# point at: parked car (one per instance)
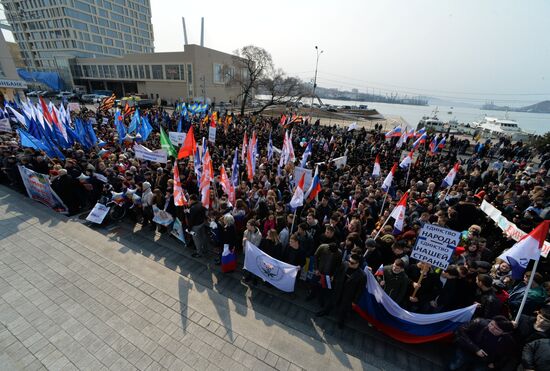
(88, 98)
(66, 94)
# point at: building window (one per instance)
(218, 73)
(112, 71)
(136, 74)
(147, 71)
(120, 70)
(172, 72)
(190, 73)
(158, 73)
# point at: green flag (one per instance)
(166, 145)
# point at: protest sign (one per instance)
(5, 125)
(298, 171)
(177, 231)
(145, 153)
(105, 121)
(212, 134)
(74, 107)
(98, 213)
(276, 272)
(435, 245)
(177, 138)
(38, 188)
(162, 217)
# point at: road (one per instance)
(76, 297)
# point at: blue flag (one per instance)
(145, 128)
(29, 141)
(134, 123)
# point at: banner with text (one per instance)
(98, 213)
(435, 245)
(145, 153)
(510, 229)
(38, 188)
(176, 137)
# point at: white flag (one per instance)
(279, 274)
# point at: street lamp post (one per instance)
(315, 78)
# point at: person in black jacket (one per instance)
(196, 222)
(347, 286)
(536, 355)
(483, 344)
(488, 304)
(449, 297)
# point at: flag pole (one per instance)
(383, 203)
(529, 283)
(408, 172)
(293, 220)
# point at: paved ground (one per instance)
(72, 297)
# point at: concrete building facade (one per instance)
(193, 74)
(10, 83)
(49, 32)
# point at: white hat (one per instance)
(146, 185)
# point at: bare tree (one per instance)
(254, 63)
(280, 88)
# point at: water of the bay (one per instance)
(538, 123)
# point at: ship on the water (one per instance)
(492, 127)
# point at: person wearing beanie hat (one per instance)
(484, 344)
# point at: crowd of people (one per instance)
(333, 235)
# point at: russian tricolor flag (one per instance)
(315, 187)
(450, 178)
(421, 139)
(395, 132)
(229, 260)
(407, 161)
(526, 249)
(389, 178)
(398, 213)
(386, 315)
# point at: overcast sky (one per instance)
(467, 50)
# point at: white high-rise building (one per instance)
(50, 32)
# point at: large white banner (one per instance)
(491, 211)
(435, 245)
(98, 213)
(176, 137)
(279, 274)
(38, 188)
(510, 229)
(145, 153)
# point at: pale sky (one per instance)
(467, 50)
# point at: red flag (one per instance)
(224, 181)
(206, 177)
(45, 111)
(189, 145)
(283, 120)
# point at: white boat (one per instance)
(432, 123)
(492, 127)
